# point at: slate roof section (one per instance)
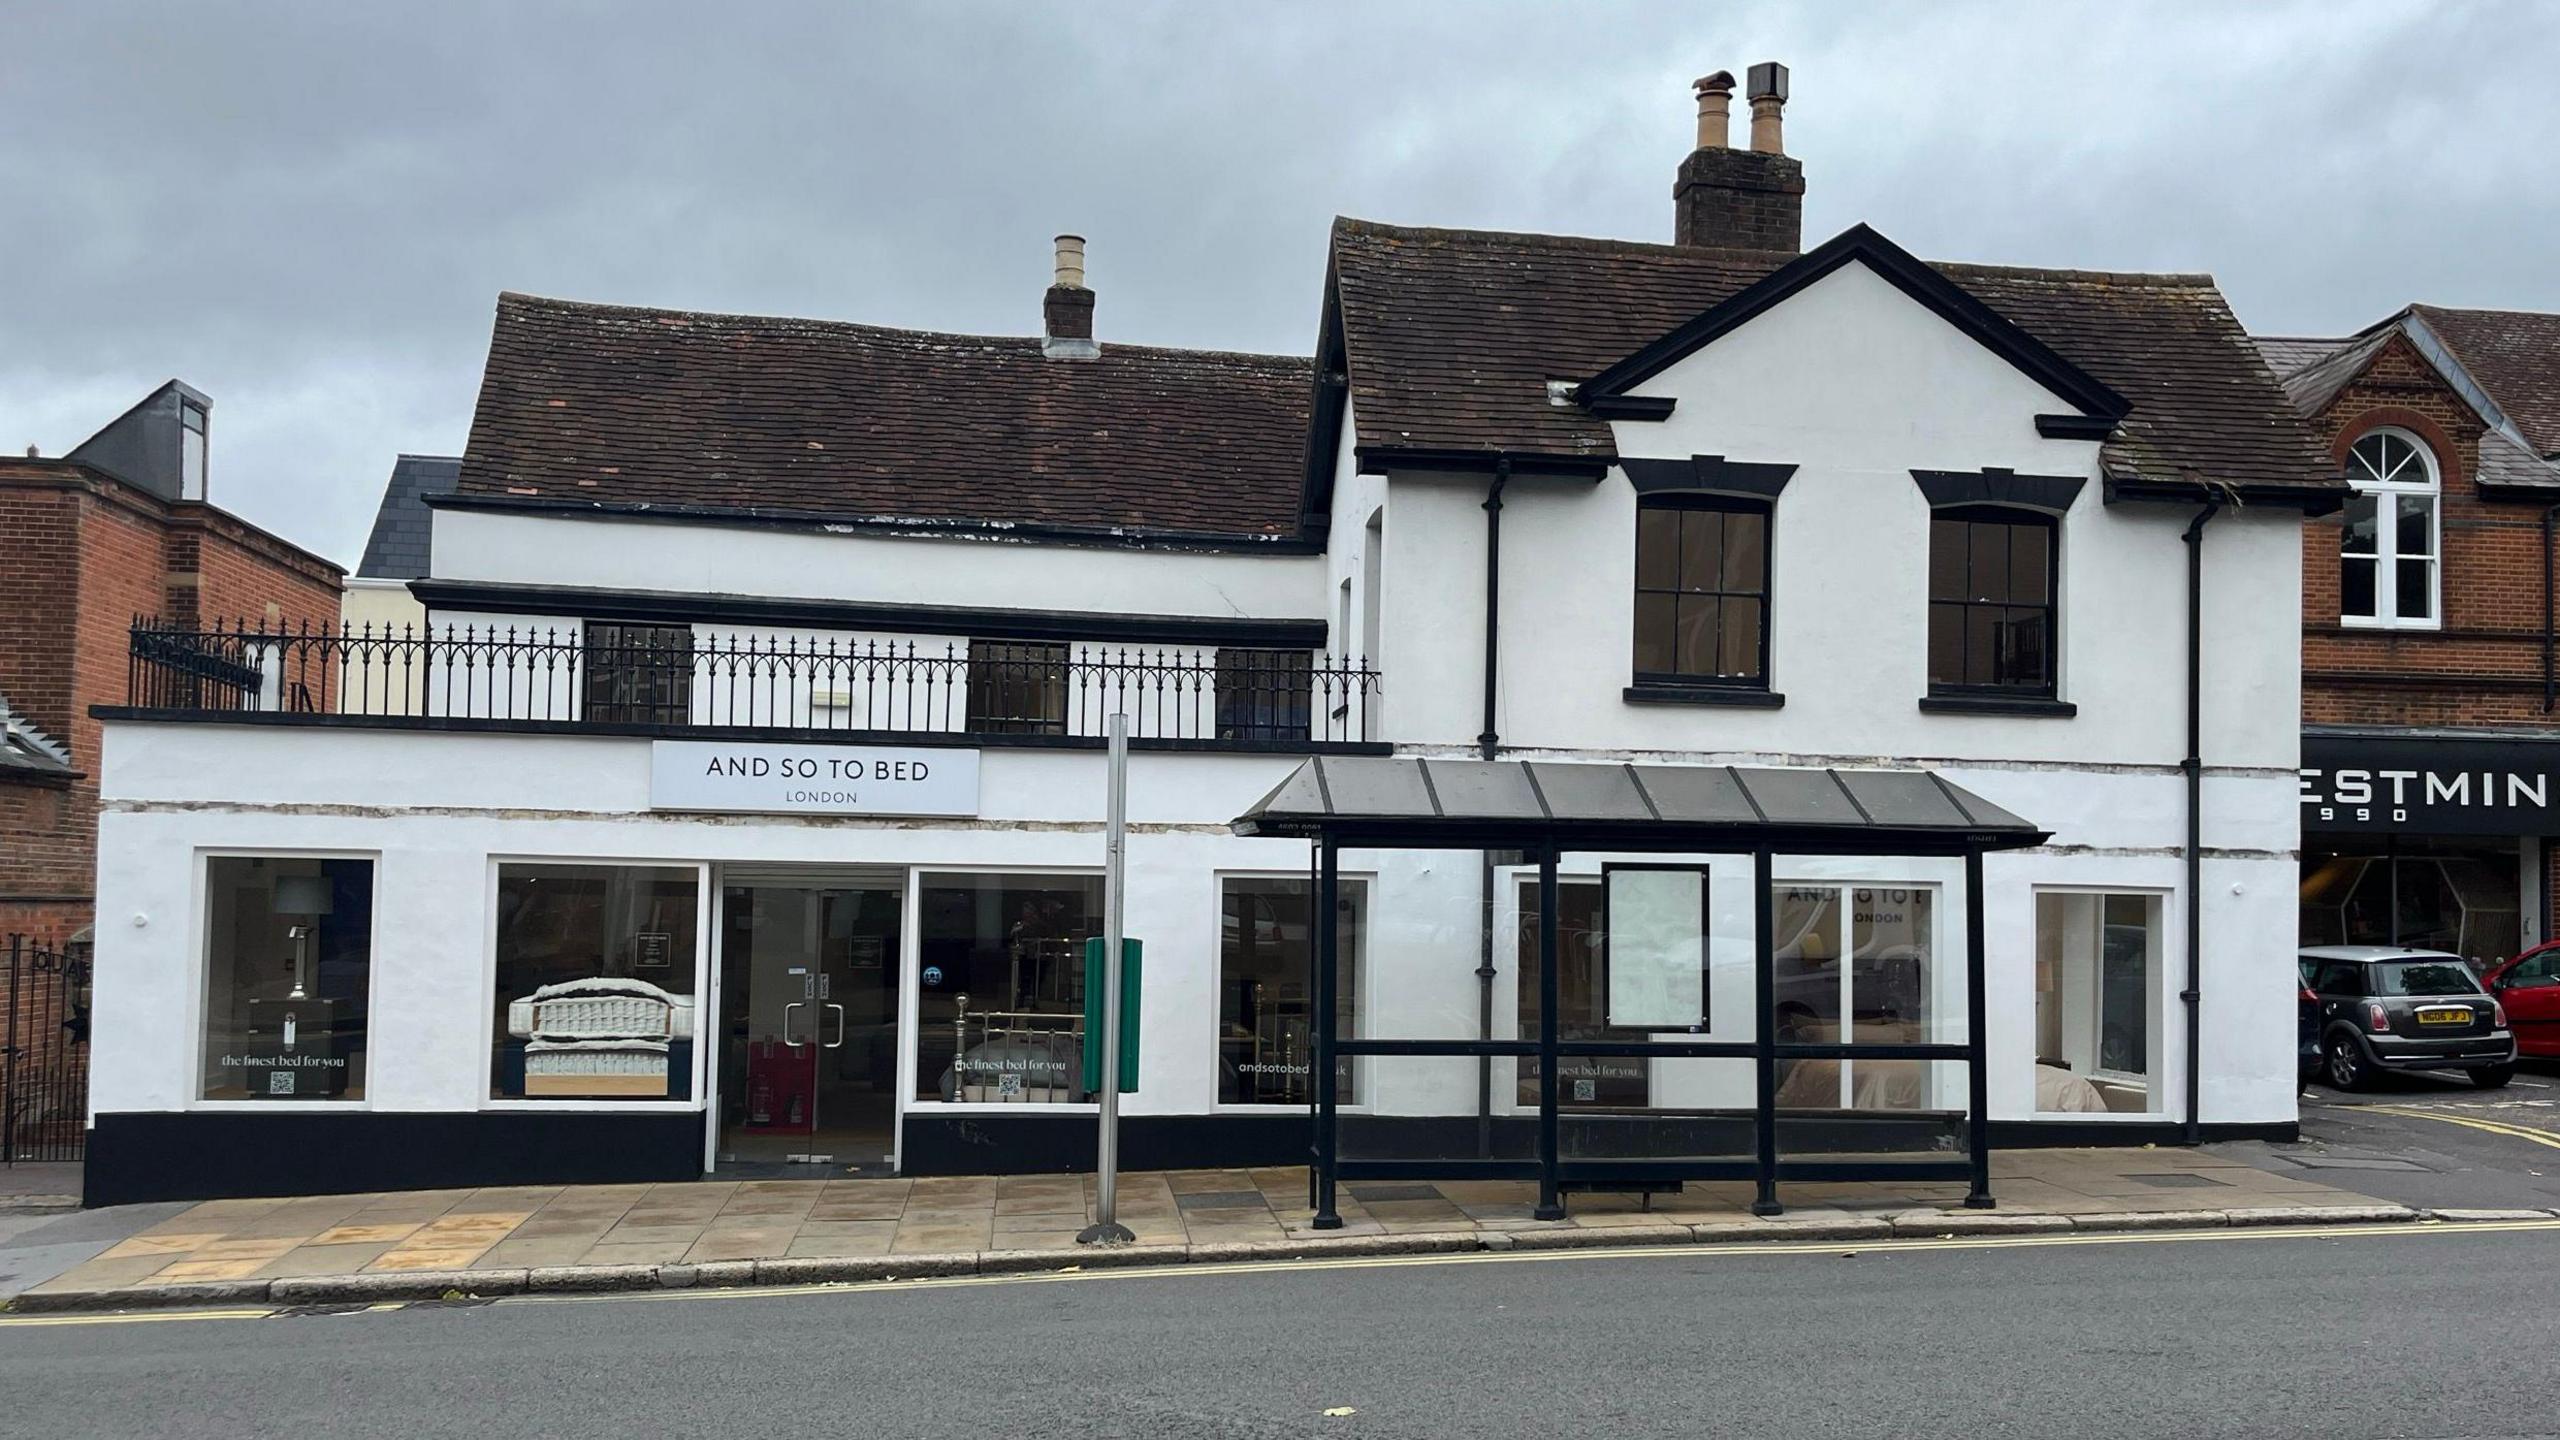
(29, 754)
(1452, 338)
(664, 407)
(2515, 355)
(2315, 384)
(397, 548)
(2285, 354)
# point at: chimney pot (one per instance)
(1740, 199)
(1768, 94)
(1066, 312)
(1715, 110)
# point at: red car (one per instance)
(2529, 986)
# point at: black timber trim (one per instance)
(1378, 459)
(2052, 494)
(683, 607)
(2019, 705)
(1738, 697)
(1711, 474)
(136, 1156)
(899, 527)
(1905, 272)
(2326, 499)
(2075, 427)
(909, 739)
(1631, 407)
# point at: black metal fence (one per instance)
(686, 677)
(44, 1064)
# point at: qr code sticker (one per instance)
(1009, 1086)
(1586, 1090)
(279, 1082)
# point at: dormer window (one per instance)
(2390, 544)
(191, 450)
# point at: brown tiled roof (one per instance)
(1452, 338)
(2515, 355)
(671, 408)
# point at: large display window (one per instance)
(1856, 964)
(288, 967)
(1000, 986)
(2098, 974)
(2458, 895)
(1582, 1005)
(1266, 966)
(597, 969)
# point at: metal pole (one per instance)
(1976, 1017)
(1328, 1115)
(1550, 1000)
(1764, 1055)
(1107, 1228)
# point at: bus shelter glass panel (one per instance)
(1859, 963)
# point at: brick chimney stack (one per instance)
(1741, 199)
(1067, 310)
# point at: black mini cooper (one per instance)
(2382, 1008)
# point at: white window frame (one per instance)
(200, 946)
(2156, 1010)
(1365, 882)
(703, 899)
(2387, 492)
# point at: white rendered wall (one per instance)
(596, 552)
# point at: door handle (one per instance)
(838, 1042)
(786, 1022)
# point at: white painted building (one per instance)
(515, 904)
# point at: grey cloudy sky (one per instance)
(308, 210)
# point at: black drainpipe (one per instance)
(1487, 742)
(2550, 682)
(2193, 766)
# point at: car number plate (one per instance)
(2444, 1015)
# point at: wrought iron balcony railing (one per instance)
(681, 677)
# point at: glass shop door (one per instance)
(809, 1023)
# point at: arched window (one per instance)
(2390, 548)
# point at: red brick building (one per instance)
(2431, 705)
(118, 528)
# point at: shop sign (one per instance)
(768, 779)
(2430, 785)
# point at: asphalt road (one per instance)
(2431, 1140)
(2437, 1332)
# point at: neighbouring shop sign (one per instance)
(715, 775)
(2430, 785)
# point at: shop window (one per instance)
(1266, 988)
(1000, 983)
(639, 674)
(1991, 602)
(2097, 1003)
(1702, 591)
(1582, 1005)
(2389, 539)
(289, 966)
(1265, 694)
(1873, 989)
(597, 975)
(1017, 687)
(2459, 896)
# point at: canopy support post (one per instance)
(1764, 1061)
(1328, 1151)
(1550, 991)
(1977, 1075)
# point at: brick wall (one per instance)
(2484, 667)
(87, 554)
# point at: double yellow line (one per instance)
(2494, 1127)
(1689, 1253)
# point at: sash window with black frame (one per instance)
(1017, 687)
(1702, 591)
(1991, 602)
(639, 674)
(1265, 694)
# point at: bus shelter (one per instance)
(1542, 811)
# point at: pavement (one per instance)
(340, 1248)
(2431, 1140)
(2339, 1333)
